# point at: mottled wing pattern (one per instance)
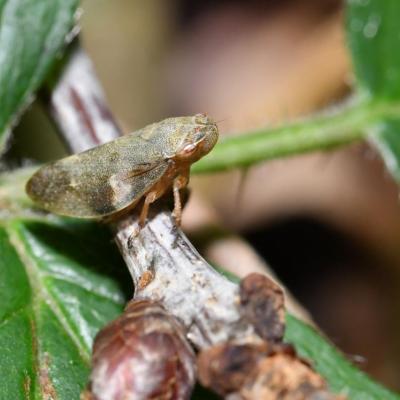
(100, 181)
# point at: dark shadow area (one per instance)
(189, 10)
(34, 139)
(88, 244)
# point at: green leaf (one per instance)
(58, 293)
(58, 286)
(373, 33)
(32, 34)
(342, 376)
(374, 39)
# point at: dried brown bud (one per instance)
(224, 368)
(257, 372)
(141, 355)
(285, 377)
(262, 303)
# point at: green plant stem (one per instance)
(319, 133)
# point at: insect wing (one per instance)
(100, 181)
(130, 186)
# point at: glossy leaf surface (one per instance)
(373, 33)
(373, 37)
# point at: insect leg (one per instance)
(179, 183)
(177, 205)
(150, 198)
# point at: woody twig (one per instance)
(164, 266)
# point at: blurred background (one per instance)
(328, 224)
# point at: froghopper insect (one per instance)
(109, 180)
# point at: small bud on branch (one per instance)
(142, 355)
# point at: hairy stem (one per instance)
(338, 127)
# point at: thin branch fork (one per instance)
(164, 266)
(220, 318)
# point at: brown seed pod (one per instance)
(263, 305)
(141, 355)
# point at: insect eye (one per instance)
(189, 149)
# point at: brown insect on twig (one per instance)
(107, 181)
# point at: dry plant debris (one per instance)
(268, 369)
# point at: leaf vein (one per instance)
(39, 290)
